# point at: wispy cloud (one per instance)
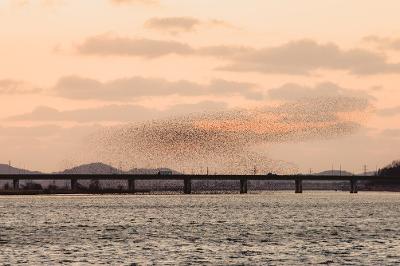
(301, 57)
(306, 56)
(294, 92)
(383, 42)
(175, 25)
(392, 111)
(31, 132)
(10, 86)
(46, 3)
(75, 87)
(115, 113)
(391, 133)
(144, 2)
(107, 45)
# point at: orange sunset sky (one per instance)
(71, 67)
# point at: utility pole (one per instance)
(365, 169)
(9, 167)
(340, 171)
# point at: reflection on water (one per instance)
(267, 228)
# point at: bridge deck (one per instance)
(187, 179)
(192, 177)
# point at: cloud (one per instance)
(45, 3)
(74, 87)
(293, 92)
(383, 42)
(144, 2)
(391, 133)
(107, 44)
(31, 132)
(174, 25)
(330, 96)
(305, 56)
(20, 2)
(57, 2)
(10, 86)
(115, 113)
(301, 57)
(110, 45)
(222, 23)
(393, 111)
(223, 51)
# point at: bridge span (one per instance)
(187, 179)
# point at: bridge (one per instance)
(187, 179)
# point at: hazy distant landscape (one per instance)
(209, 185)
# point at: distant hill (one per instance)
(344, 173)
(334, 172)
(93, 168)
(6, 169)
(392, 169)
(101, 168)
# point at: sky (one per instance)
(69, 68)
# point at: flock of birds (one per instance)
(229, 141)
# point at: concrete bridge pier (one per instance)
(353, 186)
(299, 185)
(74, 184)
(131, 185)
(16, 184)
(243, 186)
(187, 186)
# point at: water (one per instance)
(268, 228)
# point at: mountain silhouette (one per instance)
(92, 168)
(7, 169)
(334, 173)
(392, 169)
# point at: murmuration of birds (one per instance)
(228, 142)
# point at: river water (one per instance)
(269, 228)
